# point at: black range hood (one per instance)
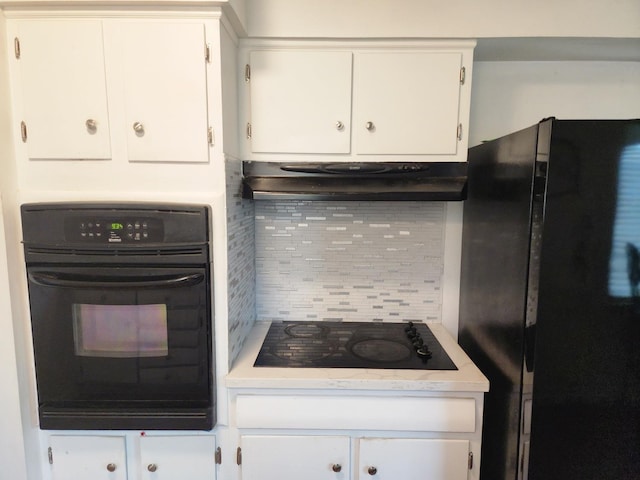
(417, 181)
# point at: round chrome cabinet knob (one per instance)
(111, 467)
(152, 467)
(138, 128)
(372, 470)
(337, 468)
(92, 125)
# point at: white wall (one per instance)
(12, 453)
(439, 19)
(509, 96)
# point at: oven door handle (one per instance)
(170, 281)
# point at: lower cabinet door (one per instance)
(177, 457)
(412, 459)
(87, 457)
(276, 457)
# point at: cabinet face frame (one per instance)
(358, 151)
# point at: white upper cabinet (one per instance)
(64, 94)
(165, 90)
(362, 101)
(300, 101)
(89, 88)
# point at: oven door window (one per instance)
(120, 331)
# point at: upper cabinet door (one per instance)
(407, 103)
(62, 78)
(300, 101)
(165, 90)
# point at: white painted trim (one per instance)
(451, 274)
(432, 414)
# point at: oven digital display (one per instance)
(114, 230)
(120, 331)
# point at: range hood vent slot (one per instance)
(390, 181)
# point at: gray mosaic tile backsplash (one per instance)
(351, 261)
(241, 261)
(331, 261)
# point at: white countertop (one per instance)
(467, 378)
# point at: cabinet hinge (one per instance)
(50, 455)
(210, 137)
(23, 131)
(470, 461)
(218, 456)
(247, 73)
(463, 75)
(16, 47)
(249, 131)
(459, 132)
(207, 53)
(239, 456)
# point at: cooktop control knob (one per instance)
(424, 352)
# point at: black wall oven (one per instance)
(120, 300)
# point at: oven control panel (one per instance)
(114, 230)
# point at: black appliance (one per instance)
(438, 181)
(352, 345)
(549, 301)
(120, 300)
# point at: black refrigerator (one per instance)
(549, 300)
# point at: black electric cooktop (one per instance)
(352, 345)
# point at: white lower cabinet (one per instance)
(83, 457)
(412, 459)
(288, 457)
(283, 457)
(177, 458)
(169, 457)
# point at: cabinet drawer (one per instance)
(432, 414)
